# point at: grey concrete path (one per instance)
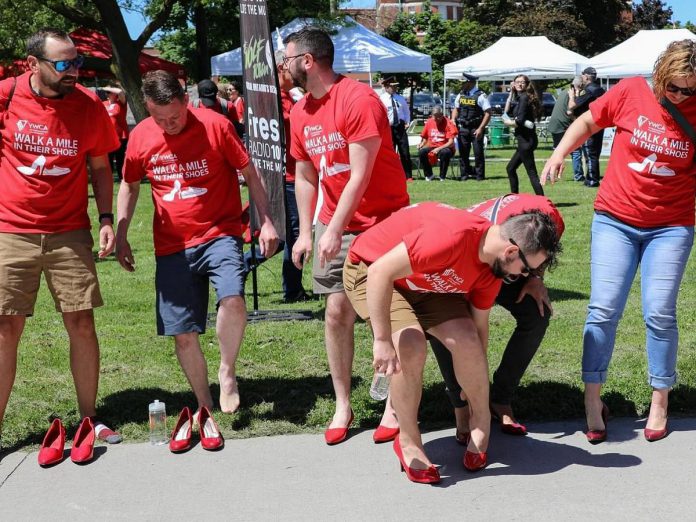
(552, 474)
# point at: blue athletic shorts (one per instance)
(181, 283)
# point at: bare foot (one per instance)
(657, 419)
(341, 418)
(504, 413)
(389, 416)
(229, 393)
(414, 455)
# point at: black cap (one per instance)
(389, 80)
(469, 77)
(207, 92)
(590, 71)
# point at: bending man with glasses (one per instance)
(409, 280)
(53, 128)
(527, 299)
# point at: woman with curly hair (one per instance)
(644, 217)
(526, 108)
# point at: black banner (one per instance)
(264, 122)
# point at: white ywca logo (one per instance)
(642, 120)
(34, 128)
(187, 193)
(38, 166)
(21, 124)
(312, 130)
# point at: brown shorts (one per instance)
(66, 261)
(407, 308)
(329, 280)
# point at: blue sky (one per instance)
(682, 10)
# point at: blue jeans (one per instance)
(617, 249)
(576, 157)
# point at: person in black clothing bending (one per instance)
(581, 104)
(524, 104)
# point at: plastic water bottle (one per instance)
(380, 387)
(158, 423)
(529, 124)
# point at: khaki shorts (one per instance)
(329, 280)
(407, 308)
(65, 259)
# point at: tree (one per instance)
(652, 14)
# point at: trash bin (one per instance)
(499, 134)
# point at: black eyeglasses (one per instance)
(288, 59)
(526, 269)
(63, 65)
(684, 91)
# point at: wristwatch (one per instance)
(108, 215)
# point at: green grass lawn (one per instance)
(283, 373)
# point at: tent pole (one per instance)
(431, 81)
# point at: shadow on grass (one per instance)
(559, 294)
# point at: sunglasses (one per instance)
(63, 65)
(684, 91)
(526, 269)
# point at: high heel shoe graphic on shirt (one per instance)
(187, 193)
(39, 166)
(649, 164)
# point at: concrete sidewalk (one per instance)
(552, 474)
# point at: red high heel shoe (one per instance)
(653, 435)
(514, 428)
(475, 461)
(597, 436)
(337, 435)
(181, 436)
(384, 434)
(422, 476)
(51, 451)
(211, 438)
(83, 445)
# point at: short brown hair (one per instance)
(36, 43)
(677, 61)
(162, 87)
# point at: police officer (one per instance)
(471, 113)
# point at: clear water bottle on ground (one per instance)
(158, 423)
(380, 387)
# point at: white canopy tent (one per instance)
(356, 49)
(636, 56)
(536, 56)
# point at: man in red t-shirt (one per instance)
(437, 141)
(527, 299)
(341, 140)
(115, 104)
(52, 129)
(191, 158)
(408, 279)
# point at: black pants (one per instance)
(593, 146)
(444, 156)
(526, 144)
(520, 349)
(400, 140)
(465, 140)
(116, 159)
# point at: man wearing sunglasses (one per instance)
(52, 129)
(593, 146)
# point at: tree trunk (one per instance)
(200, 22)
(124, 63)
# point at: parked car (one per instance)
(498, 99)
(423, 103)
(548, 100)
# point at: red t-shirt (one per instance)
(117, 112)
(238, 104)
(193, 176)
(43, 157)
(436, 134)
(287, 104)
(323, 128)
(497, 210)
(441, 262)
(649, 181)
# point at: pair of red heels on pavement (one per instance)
(53, 445)
(211, 438)
(597, 436)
